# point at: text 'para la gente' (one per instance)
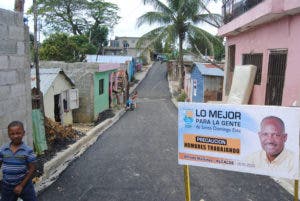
(218, 117)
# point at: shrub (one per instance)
(182, 96)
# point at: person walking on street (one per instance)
(134, 98)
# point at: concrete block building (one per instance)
(15, 89)
(92, 84)
(264, 33)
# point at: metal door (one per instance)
(276, 77)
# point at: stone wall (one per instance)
(15, 89)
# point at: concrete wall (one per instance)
(130, 40)
(131, 50)
(85, 112)
(281, 34)
(15, 89)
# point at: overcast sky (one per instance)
(130, 10)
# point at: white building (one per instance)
(59, 94)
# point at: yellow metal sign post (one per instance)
(296, 189)
(187, 183)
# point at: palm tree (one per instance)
(178, 20)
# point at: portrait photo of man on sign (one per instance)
(274, 155)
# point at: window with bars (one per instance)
(256, 60)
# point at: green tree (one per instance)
(201, 46)
(81, 47)
(87, 20)
(31, 46)
(158, 47)
(76, 16)
(98, 37)
(178, 20)
(61, 47)
(56, 47)
(168, 48)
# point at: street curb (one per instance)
(54, 167)
(173, 99)
(138, 83)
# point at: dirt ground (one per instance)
(60, 137)
(56, 145)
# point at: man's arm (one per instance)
(31, 168)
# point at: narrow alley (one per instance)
(136, 159)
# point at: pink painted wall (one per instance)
(282, 34)
(267, 10)
(291, 5)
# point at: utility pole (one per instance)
(19, 6)
(36, 58)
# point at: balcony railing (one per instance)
(234, 8)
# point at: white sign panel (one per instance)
(244, 138)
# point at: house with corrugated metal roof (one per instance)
(59, 94)
(128, 62)
(93, 81)
(204, 83)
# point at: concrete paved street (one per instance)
(136, 160)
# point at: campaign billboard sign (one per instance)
(245, 138)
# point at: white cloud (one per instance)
(130, 10)
(9, 4)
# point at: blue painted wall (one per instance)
(132, 69)
(196, 75)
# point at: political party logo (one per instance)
(188, 118)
